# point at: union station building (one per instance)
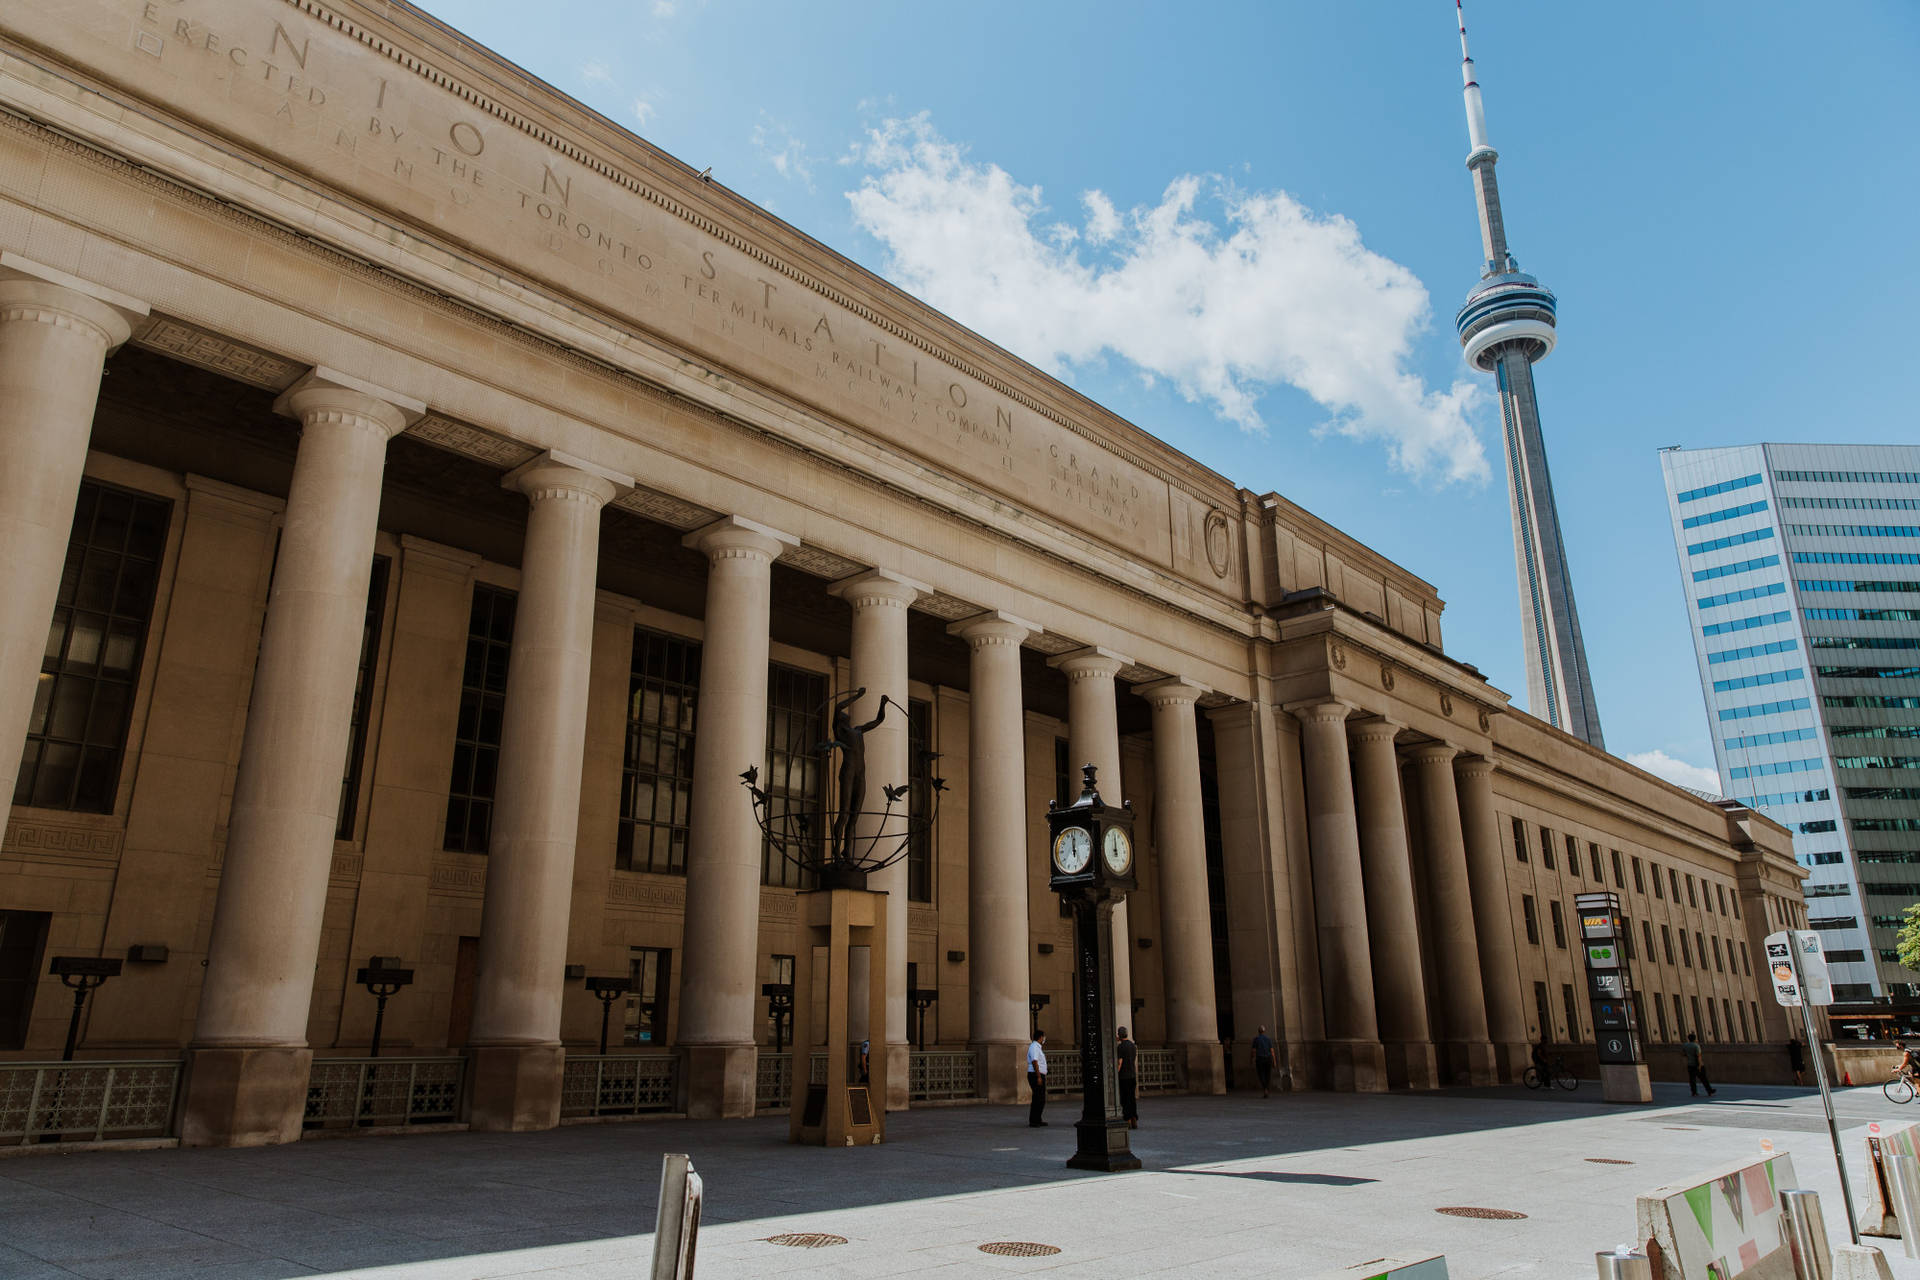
(423, 500)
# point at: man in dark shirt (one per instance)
(1696, 1069)
(1263, 1060)
(1124, 1051)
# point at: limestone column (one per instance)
(247, 1067)
(1463, 1001)
(879, 601)
(997, 933)
(1492, 914)
(55, 332)
(1186, 916)
(720, 952)
(1093, 737)
(1393, 928)
(1355, 1056)
(515, 1042)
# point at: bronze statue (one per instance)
(851, 739)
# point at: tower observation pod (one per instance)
(1506, 326)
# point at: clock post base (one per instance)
(1102, 1147)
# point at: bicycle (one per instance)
(1899, 1088)
(1556, 1074)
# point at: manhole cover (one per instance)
(1468, 1211)
(1681, 1128)
(1019, 1249)
(1606, 1160)
(806, 1240)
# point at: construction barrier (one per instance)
(1728, 1223)
(1878, 1217)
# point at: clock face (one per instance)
(1072, 850)
(1118, 851)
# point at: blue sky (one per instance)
(1723, 197)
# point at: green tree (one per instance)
(1909, 940)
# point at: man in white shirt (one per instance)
(1037, 1078)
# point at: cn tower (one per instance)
(1506, 326)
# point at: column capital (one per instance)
(1326, 711)
(878, 588)
(1172, 691)
(993, 627)
(31, 290)
(561, 475)
(732, 537)
(1374, 729)
(1473, 766)
(326, 395)
(1434, 753)
(1090, 663)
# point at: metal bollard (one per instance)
(1903, 1179)
(1807, 1235)
(1624, 1263)
(676, 1227)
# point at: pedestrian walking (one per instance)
(1037, 1079)
(1696, 1070)
(1124, 1053)
(1797, 1059)
(866, 1047)
(1263, 1060)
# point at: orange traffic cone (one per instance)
(1846, 1078)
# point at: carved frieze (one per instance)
(471, 442)
(193, 345)
(62, 843)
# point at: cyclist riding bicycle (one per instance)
(1540, 1058)
(1909, 1060)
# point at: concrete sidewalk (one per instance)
(1231, 1186)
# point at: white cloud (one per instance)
(596, 73)
(787, 154)
(1662, 765)
(663, 8)
(1255, 292)
(643, 111)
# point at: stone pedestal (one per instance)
(1206, 1066)
(244, 1097)
(514, 1088)
(1472, 1062)
(1620, 1082)
(1000, 1070)
(1357, 1066)
(1412, 1064)
(724, 1079)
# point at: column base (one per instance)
(1625, 1082)
(1302, 1067)
(899, 1085)
(1514, 1059)
(1357, 1066)
(1472, 1062)
(722, 1080)
(244, 1097)
(514, 1088)
(1205, 1064)
(1000, 1072)
(1411, 1064)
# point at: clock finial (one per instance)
(1089, 792)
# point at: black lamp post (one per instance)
(923, 998)
(1092, 870)
(382, 978)
(1036, 1001)
(780, 1008)
(609, 990)
(83, 974)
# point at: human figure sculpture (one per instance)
(851, 739)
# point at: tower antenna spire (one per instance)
(1476, 109)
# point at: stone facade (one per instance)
(465, 437)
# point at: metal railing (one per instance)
(1158, 1071)
(940, 1075)
(619, 1084)
(773, 1085)
(87, 1101)
(343, 1092)
(1063, 1070)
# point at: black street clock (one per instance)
(1091, 860)
(1090, 844)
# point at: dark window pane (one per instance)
(658, 769)
(482, 706)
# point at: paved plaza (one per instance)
(1231, 1186)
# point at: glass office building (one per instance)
(1801, 569)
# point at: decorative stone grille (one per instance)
(1158, 1071)
(1063, 1071)
(86, 1101)
(344, 1092)
(619, 1084)
(774, 1086)
(940, 1076)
